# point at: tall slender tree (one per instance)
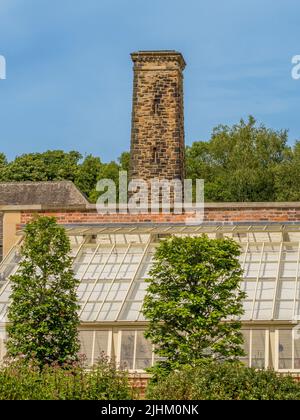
(43, 319)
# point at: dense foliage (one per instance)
(57, 165)
(223, 381)
(194, 286)
(245, 162)
(43, 310)
(23, 381)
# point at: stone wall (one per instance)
(157, 140)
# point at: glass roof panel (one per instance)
(112, 270)
(131, 311)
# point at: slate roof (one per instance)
(59, 194)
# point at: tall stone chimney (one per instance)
(157, 139)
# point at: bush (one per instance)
(23, 381)
(223, 381)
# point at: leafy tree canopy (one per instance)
(48, 166)
(194, 287)
(240, 163)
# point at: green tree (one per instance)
(194, 300)
(287, 176)
(53, 165)
(3, 164)
(239, 163)
(88, 174)
(108, 171)
(124, 161)
(43, 311)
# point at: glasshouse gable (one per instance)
(113, 252)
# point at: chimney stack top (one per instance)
(158, 56)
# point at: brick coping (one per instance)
(209, 205)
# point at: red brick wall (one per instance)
(272, 214)
(93, 217)
(139, 385)
(253, 215)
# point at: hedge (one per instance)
(224, 381)
(23, 381)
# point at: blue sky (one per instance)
(69, 74)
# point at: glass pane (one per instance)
(110, 271)
(6, 271)
(285, 349)
(258, 349)
(246, 347)
(127, 349)
(263, 310)
(109, 311)
(86, 345)
(290, 252)
(75, 241)
(286, 289)
(102, 254)
(265, 289)
(297, 347)
(254, 253)
(298, 289)
(146, 266)
(127, 271)
(93, 271)
(90, 311)
(284, 310)
(4, 296)
(248, 286)
(288, 269)
(101, 345)
(247, 305)
(269, 269)
(85, 255)
(79, 270)
(143, 352)
(92, 292)
(2, 344)
(118, 291)
(131, 311)
(100, 291)
(138, 291)
(10, 266)
(3, 312)
(251, 269)
(296, 315)
(262, 236)
(271, 253)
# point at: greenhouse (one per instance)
(112, 264)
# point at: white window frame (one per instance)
(292, 369)
(119, 349)
(108, 351)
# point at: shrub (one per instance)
(223, 381)
(24, 381)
